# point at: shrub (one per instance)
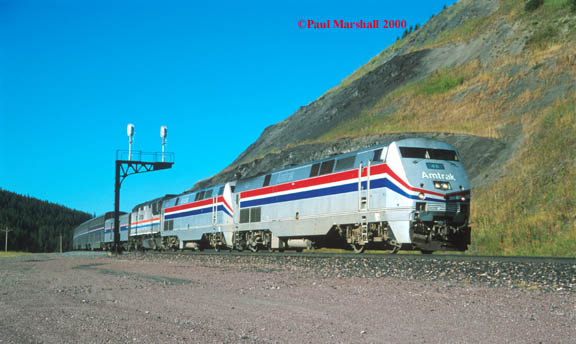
(533, 5)
(542, 37)
(441, 82)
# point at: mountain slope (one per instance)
(498, 81)
(402, 63)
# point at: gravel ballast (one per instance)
(239, 298)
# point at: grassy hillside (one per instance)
(532, 210)
(530, 98)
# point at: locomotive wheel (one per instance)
(216, 248)
(358, 248)
(253, 248)
(395, 250)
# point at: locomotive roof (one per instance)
(417, 141)
(190, 192)
(154, 200)
(333, 156)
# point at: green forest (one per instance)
(36, 225)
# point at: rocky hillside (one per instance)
(496, 78)
(487, 153)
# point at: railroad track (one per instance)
(369, 255)
(546, 274)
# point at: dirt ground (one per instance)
(100, 299)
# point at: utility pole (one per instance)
(6, 242)
(60, 242)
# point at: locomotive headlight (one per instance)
(442, 185)
(463, 198)
(421, 195)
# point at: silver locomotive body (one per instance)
(198, 219)
(410, 194)
(145, 222)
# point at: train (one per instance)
(409, 194)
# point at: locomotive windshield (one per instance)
(427, 153)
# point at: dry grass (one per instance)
(476, 102)
(531, 210)
(12, 254)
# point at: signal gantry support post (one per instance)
(124, 168)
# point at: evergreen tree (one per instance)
(36, 225)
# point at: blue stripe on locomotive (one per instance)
(196, 212)
(332, 190)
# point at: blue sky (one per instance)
(74, 73)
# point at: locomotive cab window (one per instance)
(444, 154)
(427, 153)
(207, 194)
(221, 191)
(377, 155)
(327, 167)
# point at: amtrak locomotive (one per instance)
(409, 194)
